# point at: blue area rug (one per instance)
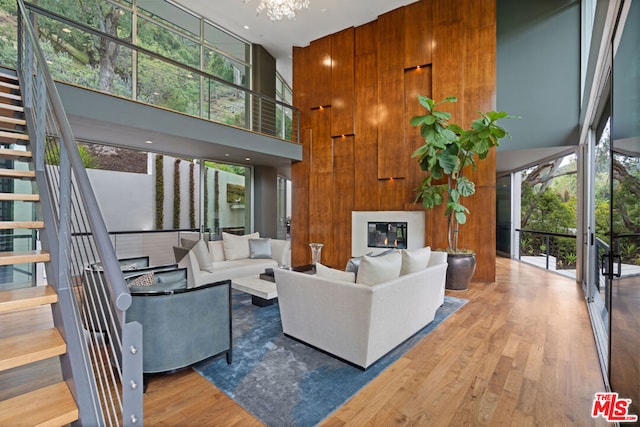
(283, 382)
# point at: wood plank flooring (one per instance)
(520, 353)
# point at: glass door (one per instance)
(624, 299)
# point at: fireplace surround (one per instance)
(367, 227)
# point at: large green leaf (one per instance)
(466, 187)
(426, 102)
(461, 217)
(449, 162)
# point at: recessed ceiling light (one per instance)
(247, 158)
(246, 27)
(148, 141)
(226, 154)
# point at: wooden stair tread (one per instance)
(14, 135)
(12, 225)
(14, 154)
(11, 107)
(9, 85)
(12, 173)
(13, 120)
(20, 350)
(8, 76)
(18, 299)
(10, 96)
(9, 258)
(19, 197)
(49, 406)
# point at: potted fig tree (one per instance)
(447, 150)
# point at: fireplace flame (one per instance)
(386, 241)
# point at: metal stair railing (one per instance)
(103, 362)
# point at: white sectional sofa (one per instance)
(359, 322)
(229, 258)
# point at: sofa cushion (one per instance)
(334, 274)
(237, 247)
(379, 269)
(260, 248)
(201, 251)
(415, 260)
(216, 250)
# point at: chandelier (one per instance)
(278, 9)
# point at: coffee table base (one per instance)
(261, 302)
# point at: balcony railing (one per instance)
(148, 77)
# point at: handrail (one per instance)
(68, 203)
(547, 235)
(190, 69)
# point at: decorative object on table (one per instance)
(447, 150)
(268, 275)
(316, 252)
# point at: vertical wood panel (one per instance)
(417, 82)
(320, 72)
(321, 146)
(366, 140)
(418, 33)
(480, 230)
(344, 188)
(391, 95)
(300, 172)
(343, 82)
(321, 212)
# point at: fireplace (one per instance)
(370, 228)
(387, 235)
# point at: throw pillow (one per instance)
(144, 280)
(333, 274)
(354, 263)
(202, 255)
(260, 248)
(237, 247)
(216, 249)
(379, 269)
(415, 260)
(187, 243)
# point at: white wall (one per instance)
(126, 199)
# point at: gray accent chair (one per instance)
(183, 326)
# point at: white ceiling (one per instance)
(323, 17)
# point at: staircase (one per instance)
(26, 341)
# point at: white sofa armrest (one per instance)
(280, 251)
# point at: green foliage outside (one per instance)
(53, 155)
(80, 58)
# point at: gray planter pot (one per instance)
(460, 270)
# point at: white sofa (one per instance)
(360, 323)
(223, 268)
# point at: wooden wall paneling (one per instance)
(391, 95)
(343, 82)
(300, 178)
(479, 91)
(321, 145)
(321, 215)
(416, 82)
(320, 72)
(479, 231)
(447, 67)
(418, 38)
(393, 194)
(300, 82)
(343, 184)
(366, 197)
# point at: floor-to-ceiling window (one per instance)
(613, 209)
